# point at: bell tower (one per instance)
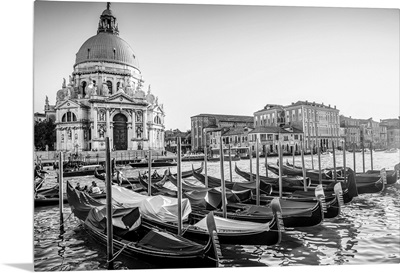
(107, 22)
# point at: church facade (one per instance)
(104, 97)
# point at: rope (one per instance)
(187, 227)
(119, 252)
(67, 218)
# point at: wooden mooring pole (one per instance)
(205, 157)
(149, 174)
(230, 163)
(257, 174)
(303, 167)
(354, 157)
(179, 177)
(251, 164)
(223, 193)
(266, 161)
(344, 160)
(61, 191)
(363, 156)
(280, 166)
(372, 159)
(334, 162)
(110, 253)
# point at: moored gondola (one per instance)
(365, 183)
(133, 239)
(294, 214)
(229, 231)
(135, 180)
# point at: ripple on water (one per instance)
(367, 232)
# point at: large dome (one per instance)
(106, 47)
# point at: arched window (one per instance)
(84, 88)
(157, 120)
(68, 117)
(109, 85)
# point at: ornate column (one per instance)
(95, 114)
(108, 122)
(145, 124)
(133, 124)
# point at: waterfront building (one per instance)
(393, 132)
(213, 121)
(104, 97)
(369, 133)
(171, 140)
(351, 131)
(236, 137)
(383, 138)
(318, 122)
(269, 138)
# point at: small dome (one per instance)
(106, 47)
(107, 12)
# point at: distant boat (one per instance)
(193, 157)
(154, 163)
(392, 150)
(82, 170)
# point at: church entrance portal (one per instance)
(120, 134)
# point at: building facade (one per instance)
(351, 131)
(171, 140)
(210, 121)
(393, 132)
(318, 122)
(104, 97)
(270, 137)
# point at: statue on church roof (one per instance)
(140, 94)
(71, 81)
(68, 94)
(130, 88)
(121, 87)
(47, 100)
(64, 84)
(90, 89)
(104, 89)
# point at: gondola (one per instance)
(229, 231)
(134, 239)
(154, 178)
(288, 183)
(50, 197)
(82, 170)
(295, 214)
(245, 185)
(192, 158)
(161, 188)
(154, 164)
(296, 193)
(391, 175)
(365, 183)
(349, 188)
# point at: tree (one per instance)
(44, 134)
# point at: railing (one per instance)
(95, 157)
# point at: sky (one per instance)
(234, 59)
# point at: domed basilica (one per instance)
(104, 97)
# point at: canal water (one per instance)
(366, 233)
